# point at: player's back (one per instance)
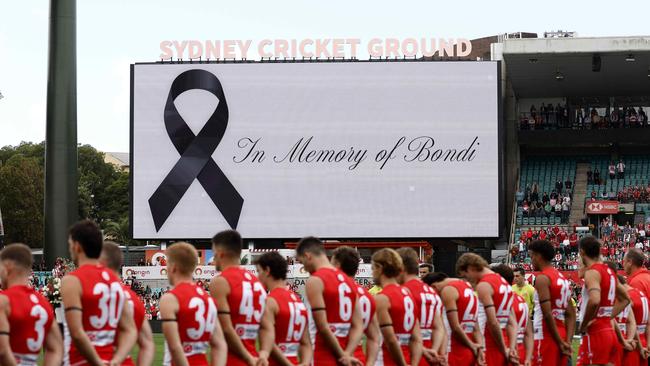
(196, 320)
(290, 323)
(30, 320)
(246, 302)
(520, 309)
(502, 298)
(340, 299)
(427, 306)
(467, 311)
(137, 309)
(102, 301)
(641, 312)
(402, 314)
(608, 282)
(559, 291)
(367, 308)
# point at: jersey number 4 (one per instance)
(246, 306)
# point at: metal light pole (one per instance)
(61, 132)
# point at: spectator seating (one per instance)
(637, 172)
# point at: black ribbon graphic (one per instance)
(196, 154)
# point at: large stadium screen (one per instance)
(338, 150)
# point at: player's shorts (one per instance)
(546, 352)
(633, 358)
(619, 352)
(598, 347)
(494, 357)
(521, 350)
(460, 356)
(359, 355)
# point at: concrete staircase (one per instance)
(579, 194)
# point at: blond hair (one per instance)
(184, 256)
(389, 261)
(470, 260)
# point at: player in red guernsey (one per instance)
(189, 314)
(606, 298)
(240, 298)
(520, 310)
(641, 311)
(496, 296)
(25, 314)
(461, 306)
(347, 260)
(396, 315)
(333, 304)
(554, 315)
(428, 308)
(111, 258)
(285, 316)
(93, 301)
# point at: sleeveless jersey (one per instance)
(340, 299)
(30, 321)
(560, 291)
(467, 306)
(641, 312)
(196, 319)
(367, 307)
(520, 307)
(246, 301)
(137, 308)
(102, 301)
(608, 282)
(502, 298)
(427, 306)
(403, 317)
(290, 323)
(621, 320)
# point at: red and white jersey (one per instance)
(102, 301)
(340, 300)
(520, 308)
(502, 298)
(137, 309)
(608, 283)
(641, 311)
(403, 316)
(30, 320)
(290, 323)
(467, 306)
(560, 291)
(621, 320)
(427, 305)
(246, 302)
(196, 320)
(367, 308)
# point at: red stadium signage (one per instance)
(602, 207)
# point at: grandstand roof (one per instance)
(532, 65)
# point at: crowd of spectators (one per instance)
(545, 204)
(548, 116)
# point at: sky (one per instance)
(112, 34)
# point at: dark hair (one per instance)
(622, 279)
(348, 259)
(88, 235)
(470, 260)
(505, 272)
(521, 271)
(635, 256)
(427, 265)
(310, 244)
(275, 263)
(611, 265)
(590, 246)
(543, 248)
(229, 240)
(434, 277)
(112, 255)
(410, 260)
(18, 253)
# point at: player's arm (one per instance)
(71, 298)
(6, 356)
(617, 331)
(168, 311)
(218, 347)
(415, 344)
(372, 341)
(53, 347)
(267, 333)
(622, 299)
(484, 291)
(387, 331)
(314, 290)
(592, 283)
(570, 318)
(529, 343)
(480, 343)
(512, 328)
(542, 285)
(438, 335)
(219, 289)
(356, 329)
(145, 344)
(127, 336)
(449, 297)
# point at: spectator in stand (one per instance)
(545, 198)
(559, 185)
(553, 200)
(638, 276)
(141, 263)
(590, 176)
(611, 195)
(565, 211)
(612, 170)
(526, 208)
(620, 167)
(597, 176)
(568, 183)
